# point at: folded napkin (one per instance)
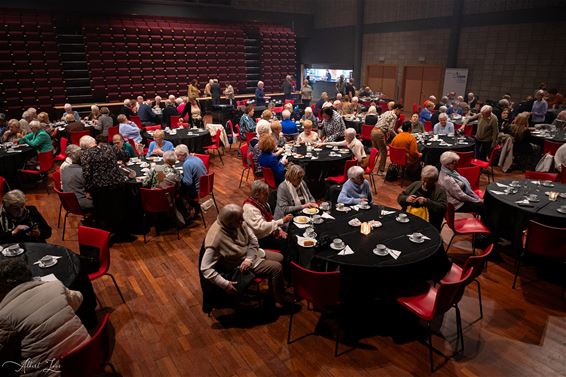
(524, 202)
(326, 215)
(54, 257)
(314, 158)
(496, 192)
(347, 251)
(535, 182)
(424, 237)
(385, 213)
(394, 253)
(302, 226)
(356, 207)
(501, 184)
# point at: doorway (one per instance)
(382, 78)
(419, 82)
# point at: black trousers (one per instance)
(112, 208)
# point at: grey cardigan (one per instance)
(285, 202)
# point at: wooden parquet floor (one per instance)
(161, 331)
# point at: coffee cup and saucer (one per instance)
(337, 244)
(417, 237)
(381, 250)
(47, 261)
(12, 250)
(402, 218)
(533, 198)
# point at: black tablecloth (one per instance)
(508, 219)
(557, 137)
(136, 166)
(196, 140)
(67, 270)
(317, 170)
(11, 162)
(431, 153)
(365, 274)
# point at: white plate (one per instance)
(381, 254)
(354, 222)
(402, 221)
(317, 149)
(301, 242)
(344, 209)
(301, 221)
(7, 252)
(415, 241)
(310, 211)
(337, 248)
(561, 210)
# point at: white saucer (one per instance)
(302, 242)
(415, 241)
(41, 265)
(344, 209)
(402, 221)
(561, 210)
(381, 254)
(7, 252)
(337, 248)
(352, 223)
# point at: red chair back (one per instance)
(244, 156)
(563, 174)
(252, 163)
(492, 154)
(465, 158)
(450, 293)
(469, 130)
(248, 136)
(136, 119)
(152, 128)
(366, 132)
(89, 359)
(415, 108)
(269, 177)
(476, 263)
(449, 216)
(155, 200)
(545, 240)
(3, 187)
(63, 142)
(373, 154)
(383, 106)
(69, 201)
(174, 121)
(428, 126)
(205, 159)
(278, 110)
(472, 174)
(551, 147)
(206, 185)
(537, 175)
(318, 288)
(112, 131)
(98, 239)
(291, 101)
(76, 136)
(56, 177)
(347, 166)
(398, 156)
(45, 160)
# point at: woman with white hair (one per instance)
(539, 109)
(165, 175)
(258, 216)
(293, 194)
(353, 144)
(94, 113)
(425, 194)
(14, 131)
(458, 188)
(231, 249)
(159, 145)
(37, 138)
(371, 116)
(260, 94)
(309, 116)
(486, 133)
(355, 106)
(356, 190)
(69, 110)
(289, 127)
(21, 223)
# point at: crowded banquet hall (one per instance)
(234, 188)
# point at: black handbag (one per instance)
(242, 278)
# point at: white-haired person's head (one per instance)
(429, 177)
(449, 160)
(231, 217)
(68, 107)
(14, 199)
(35, 126)
(349, 134)
(171, 98)
(356, 174)
(87, 142)
(169, 158)
(442, 109)
(503, 103)
(127, 102)
(308, 110)
(372, 111)
(32, 110)
(326, 104)
(442, 116)
(157, 98)
(470, 95)
(338, 96)
(355, 99)
(486, 110)
(260, 84)
(94, 109)
(288, 106)
(259, 191)
(432, 98)
(181, 152)
(73, 151)
(179, 100)
(263, 127)
(337, 104)
(286, 114)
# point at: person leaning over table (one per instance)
(21, 223)
(38, 323)
(124, 150)
(428, 194)
(384, 128)
(258, 216)
(129, 130)
(443, 127)
(230, 244)
(293, 194)
(268, 159)
(308, 135)
(356, 190)
(165, 175)
(486, 133)
(353, 144)
(458, 189)
(159, 144)
(332, 127)
(37, 138)
(72, 180)
(14, 131)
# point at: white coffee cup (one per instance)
(380, 247)
(417, 236)
(339, 205)
(402, 216)
(48, 259)
(337, 242)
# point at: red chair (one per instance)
(469, 130)
(366, 132)
(472, 174)
(111, 132)
(465, 158)
(4, 188)
(373, 155)
(136, 119)
(434, 303)
(321, 289)
(206, 188)
(551, 147)
(205, 159)
(398, 156)
(428, 126)
(475, 262)
(133, 144)
(291, 101)
(415, 108)
(56, 177)
(98, 238)
(174, 121)
(215, 146)
(152, 128)
(341, 179)
(62, 149)
(158, 201)
(277, 110)
(462, 226)
(488, 164)
(91, 357)
(245, 166)
(71, 205)
(540, 176)
(45, 160)
(76, 136)
(563, 174)
(269, 177)
(234, 135)
(545, 241)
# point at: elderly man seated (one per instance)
(356, 190)
(443, 127)
(232, 251)
(353, 144)
(193, 169)
(289, 127)
(21, 223)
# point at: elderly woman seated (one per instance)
(289, 127)
(21, 223)
(72, 180)
(159, 145)
(353, 144)
(38, 323)
(356, 190)
(231, 249)
(309, 116)
(308, 135)
(37, 138)
(425, 198)
(165, 175)
(258, 216)
(14, 131)
(277, 134)
(293, 194)
(458, 188)
(371, 116)
(268, 159)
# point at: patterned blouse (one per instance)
(333, 128)
(100, 168)
(162, 176)
(387, 121)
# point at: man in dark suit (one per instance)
(146, 113)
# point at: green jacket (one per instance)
(41, 141)
(436, 201)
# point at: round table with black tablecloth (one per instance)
(554, 136)
(67, 270)
(195, 139)
(320, 168)
(364, 274)
(13, 159)
(432, 150)
(506, 218)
